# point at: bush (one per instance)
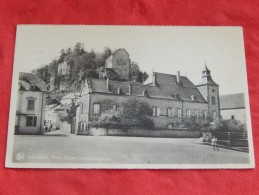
(108, 119)
(220, 124)
(134, 114)
(146, 123)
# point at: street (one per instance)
(120, 150)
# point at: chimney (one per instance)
(178, 78)
(107, 83)
(154, 79)
(130, 89)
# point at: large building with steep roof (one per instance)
(233, 106)
(30, 109)
(174, 99)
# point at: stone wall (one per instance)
(120, 63)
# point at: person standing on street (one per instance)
(214, 143)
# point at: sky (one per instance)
(164, 49)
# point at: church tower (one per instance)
(210, 91)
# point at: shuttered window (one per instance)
(170, 112)
(196, 113)
(204, 113)
(31, 121)
(97, 109)
(156, 111)
(31, 104)
(179, 112)
(188, 113)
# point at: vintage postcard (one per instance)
(155, 97)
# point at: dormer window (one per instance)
(193, 97)
(32, 87)
(119, 90)
(144, 93)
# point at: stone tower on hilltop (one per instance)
(119, 61)
(210, 91)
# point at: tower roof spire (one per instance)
(206, 68)
(206, 77)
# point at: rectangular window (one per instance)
(156, 111)
(188, 113)
(31, 121)
(213, 100)
(31, 104)
(204, 113)
(170, 112)
(97, 109)
(196, 113)
(115, 107)
(179, 112)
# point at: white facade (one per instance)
(51, 117)
(30, 112)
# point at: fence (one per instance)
(173, 133)
(232, 138)
(231, 135)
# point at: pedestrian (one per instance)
(214, 141)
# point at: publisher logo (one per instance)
(20, 156)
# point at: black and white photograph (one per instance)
(149, 97)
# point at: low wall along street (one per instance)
(174, 133)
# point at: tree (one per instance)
(137, 73)
(142, 76)
(107, 52)
(83, 62)
(219, 124)
(78, 49)
(62, 56)
(136, 114)
(107, 73)
(42, 73)
(53, 67)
